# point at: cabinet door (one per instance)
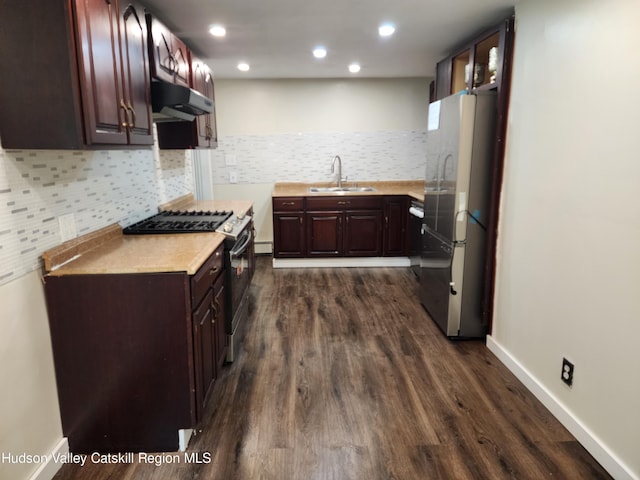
(136, 77)
(200, 84)
(212, 125)
(219, 335)
(394, 236)
(105, 117)
(324, 234)
(362, 234)
(206, 124)
(204, 353)
(168, 55)
(288, 235)
(443, 79)
(163, 63)
(180, 54)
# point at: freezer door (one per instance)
(435, 275)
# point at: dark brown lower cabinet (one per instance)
(344, 234)
(363, 233)
(340, 226)
(289, 235)
(135, 355)
(324, 234)
(209, 342)
(396, 218)
(203, 351)
(344, 226)
(219, 335)
(289, 230)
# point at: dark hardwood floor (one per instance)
(343, 375)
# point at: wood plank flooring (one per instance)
(343, 375)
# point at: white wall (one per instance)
(29, 413)
(568, 277)
(290, 130)
(248, 107)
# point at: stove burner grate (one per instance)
(179, 222)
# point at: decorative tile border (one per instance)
(307, 157)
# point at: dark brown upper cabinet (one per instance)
(479, 64)
(79, 75)
(202, 81)
(169, 56)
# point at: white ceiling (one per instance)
(276, 36)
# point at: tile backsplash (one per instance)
(98, 187)
(307, 157)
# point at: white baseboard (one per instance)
(47, 470)
(341, 262)
(184, 435)
(616, 468)
(263, 247)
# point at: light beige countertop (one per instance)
(108, 251)
(398, 187)
(416, 195)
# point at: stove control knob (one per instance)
(227, 227)
(240, 215)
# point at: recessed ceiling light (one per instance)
(243, 67)
(386, 29)
(354, 68)
(319, 52)
(217, 31)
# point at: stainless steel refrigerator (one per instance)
(460, 139)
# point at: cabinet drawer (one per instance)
(288, 204)
(204, 278)
(346, 202)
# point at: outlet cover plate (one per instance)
(67, 225)
(567, 372)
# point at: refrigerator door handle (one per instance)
(456, 219)
(452, 284)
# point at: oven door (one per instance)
(238, 262)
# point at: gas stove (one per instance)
(224, 222)
(238, 257)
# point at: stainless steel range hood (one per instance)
(175, 103)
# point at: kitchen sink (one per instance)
(340, 189)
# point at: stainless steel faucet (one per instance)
(337, 157)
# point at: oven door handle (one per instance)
(235, 252)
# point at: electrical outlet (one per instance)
(567, 372)
(233, 177)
